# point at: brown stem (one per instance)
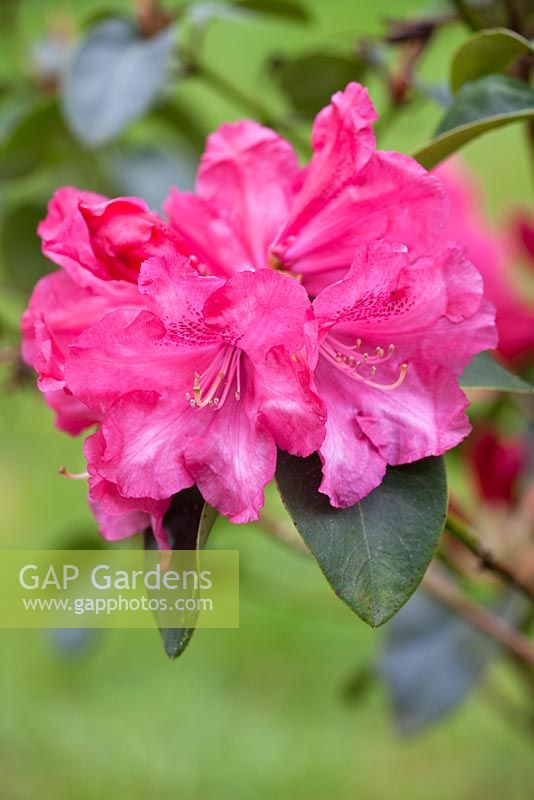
(514, 20)
(402, 30)
(487, 560)
(402, 78)
(150, 16)
(488, 622)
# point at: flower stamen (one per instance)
(212, 387)
(351, 361)
(73, 476)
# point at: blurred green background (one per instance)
(262, 711)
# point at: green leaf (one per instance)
(20, 249)
(375, 553)
(290, 9)
(478, 14)
(188, 523)
(485, 373)
(478, 107)
(309, 81)
(113, 78)
(14, 106)
(486, 53)
(38, 137)
(183, 121)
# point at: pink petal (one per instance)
(232, 456)
(178, 294)
(119, 517)
(523, 223)
(383, 294)
(142, 438)
(396, 196)
(114, 527)
(391, 198)
(494, 253)
(127, 351)
(260, 310)
(498, 464)
(432, 309)
(343, 141)
(352, 466)
(425, 416)
(72, 416)
(454, 344)
(288, 408)
(207, 236)
(58, 311)
(123, 233)
(244, 189)
(396, 335)
(64, 234)
(64, 204)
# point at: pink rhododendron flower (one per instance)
(254, 207)
(394, 337)
(200, 388)
(100, 244)
(499, 463)
(496, 254)
(197, 360)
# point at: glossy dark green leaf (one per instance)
(478, 107)
(486, 53)
(188, 523)
(113, 78)
(375, 553)
(485, 373)
(310, 80)
(432, 659)
(20, 248)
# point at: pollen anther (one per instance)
(342, 356)
(211, 388)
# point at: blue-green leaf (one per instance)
(485, 373)
(113, 78)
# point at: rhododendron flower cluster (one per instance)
(317, 309)
(497, 253)
(201, 387)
